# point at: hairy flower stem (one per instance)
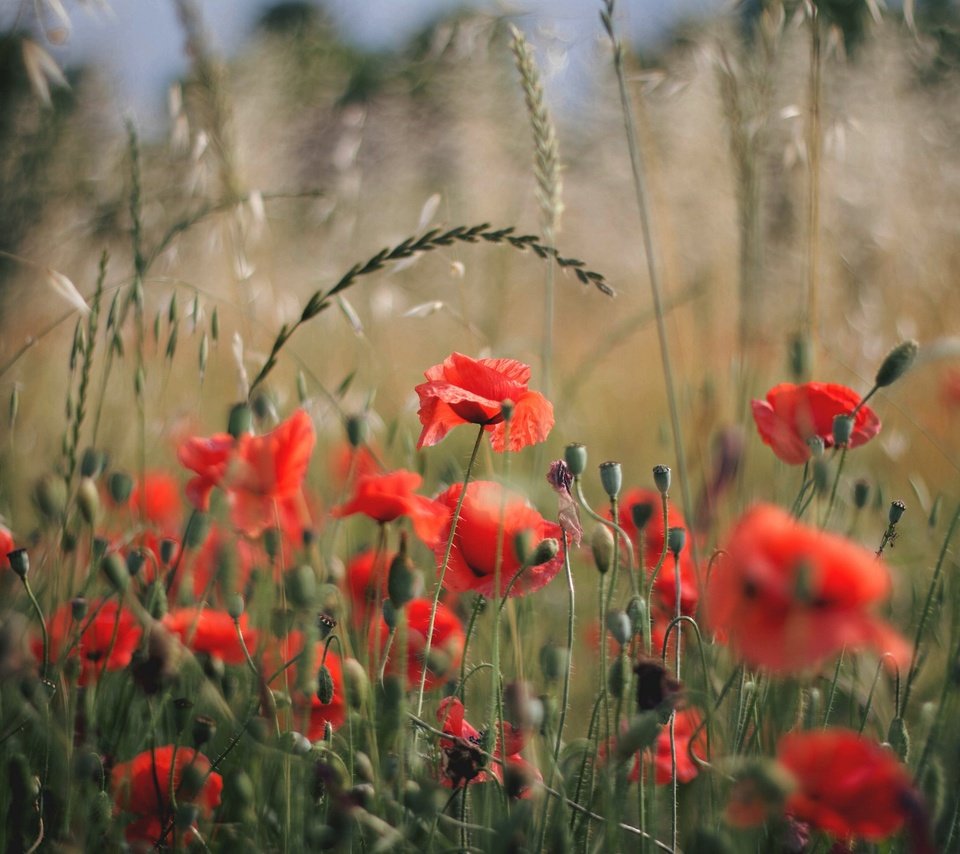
(665, 510)
(674, 782)
(478, 606)
(652, 256)
(43, 627)
(925, 613)
(833, 492)
(443, 568)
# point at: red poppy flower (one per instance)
(6, 546)
(847, 785)
(385, 497)
(446, 648)
(310, 713)
(792, 414)
(96, 639)
(473, 557)
(787, 597)
(135, 789)
(462, 763)
(688, 722)
(665, 587)
(211, 632)
(260, 473)
(472, 391)
(366, 581)
(160, 501)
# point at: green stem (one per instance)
(443, 568)
(43, 627)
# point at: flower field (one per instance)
(633, 526)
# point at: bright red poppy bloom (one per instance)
(385, 497)
(96, 639)
(688, 722)
(787, 597)
(472, 391)
(366, 582)
(665, 587)
(260, 473)
(211, 632)
(135, 790)
(848, 785)
(792, 414)
(446, 648)
(310, 714)
(473, 557)
(462, 763)
(160, 500)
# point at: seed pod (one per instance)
(661, 478)
(676, 540)
(640, 734)
(611, 477)
(895, 514)
(842, 430)
(301, 585)
(575, 456)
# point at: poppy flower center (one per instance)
(478, 413)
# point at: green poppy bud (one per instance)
(115, 568)
(611, 477)
(897, 363)
(575, 456)
(601, 543)
(842, 430)
(661, 478)
(120, 485)
(325, 685)
(240, 420)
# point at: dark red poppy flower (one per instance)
(446, 648)
(310, 715)
(385, 497)
(472, 391)
(665, 587)
(787, 597)
(463, 763)
(211, 632)
(260, 473)
(136, 793)
(473, 557)
(96, 639)
(848, 785)
(792, 414)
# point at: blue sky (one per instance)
(139, 43)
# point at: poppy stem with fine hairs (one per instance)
(443, 567)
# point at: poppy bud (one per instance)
(611, 478)
(575, 456)
(816, 446)
(327, 731)
(204, 729)
(78, 608)
(523, 545)
(811, 712)
(235, 606)
(168, 550)
(799, 357)
(897, 363)
(271, 542)
(295, 743)
(641, 513)
(546, 551)
(135, 561)
(637, 612)
(676, 540)
(363, 767)
(553, 661)
(899, 738)
(403, 581)
(861, 493)
(601, 543)
(617, 676)
(325, 685)
(897, 509)
(50, 495)
(661, 478)
(115, 569)
(301, 585)
(238, 788)
(389, 614)
(842, 430)
(641, 733)
(92, 463)
(19, 562)
(356, 427)
(935, 512)
(240, 420)
(618, 624)
(355, 682)
(181, 712)
(263, 408)
(120, 485)
(197, 529)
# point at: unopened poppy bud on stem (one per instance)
(240, 420)
(618, 624)
(611, 477)
(204, 729)
(356, 427)
(601, 543)
(19, 562)
(575, 456)
(235, 606)
(115, 569)
(897, 509)
(545, 552)
(120, 485)
(676, 540)
(897, 363)
(325, 686)
(842, 430)
(661, 478)
(861, 493)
